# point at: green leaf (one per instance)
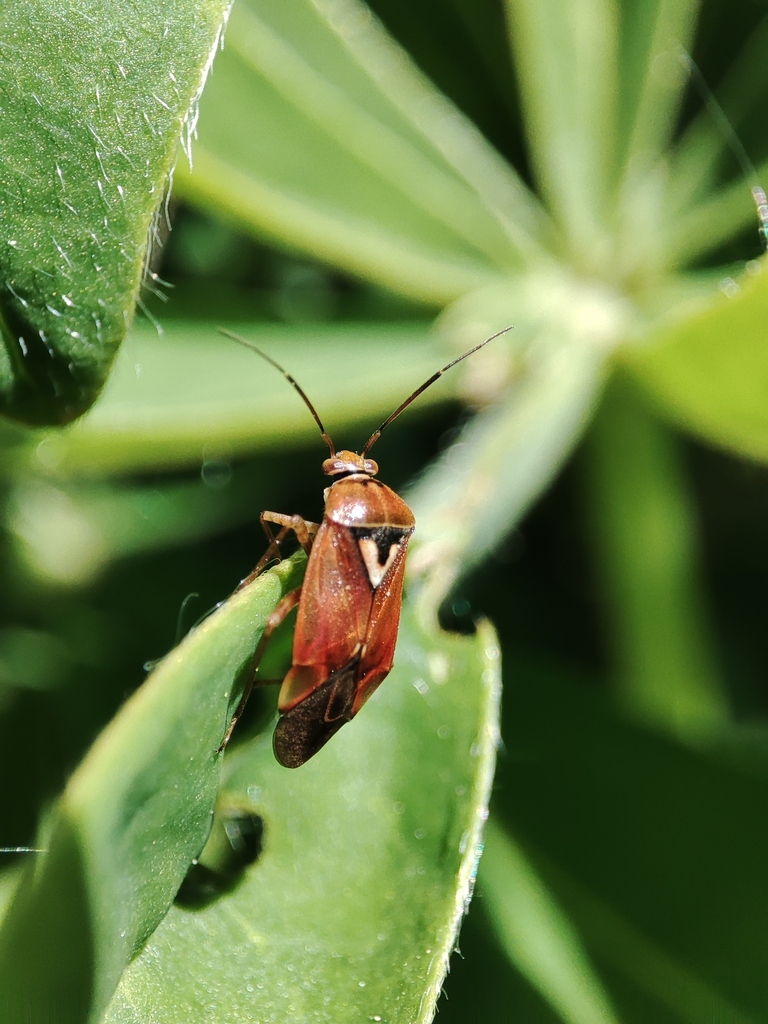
(138, 809)
(654, 32)
(708, 372)
(715, 220)
(653, 849)
(91, 106)
(566, 60)
(713, 137)
(367, 165)
(69, 533)
(652, 83)
(645, 539)
(9, 876)
(506, 456)
(537, 935)
(133, 816)
(369, 850)
(645, 964)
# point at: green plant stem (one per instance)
(646, 551)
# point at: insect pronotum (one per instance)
(349, 603)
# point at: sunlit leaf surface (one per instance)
(708, 372)
(91, 111)
(350, 909)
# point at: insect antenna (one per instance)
(734, 142)
(294, 384)
(377, 433)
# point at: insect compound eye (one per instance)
(371, 467)
(332, 467)
(344, 462)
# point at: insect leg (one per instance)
(304, 531)
(271, 554)
(281, 611)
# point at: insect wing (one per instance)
(335, 609)
(308, 726)
(383, 625)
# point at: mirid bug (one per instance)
(349, 603)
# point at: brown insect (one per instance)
(349, 603)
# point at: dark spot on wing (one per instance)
(303, 730)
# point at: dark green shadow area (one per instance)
(49, 926)
(671, 838)
(46, 385)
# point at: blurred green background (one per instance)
(607, 509)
